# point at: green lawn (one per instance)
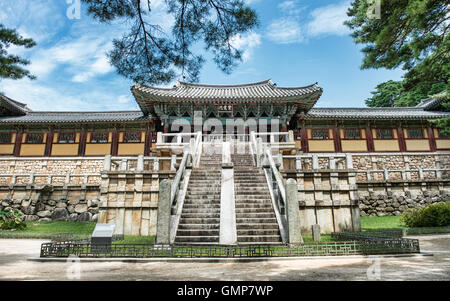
(84, 230)
(47, 229)
(370, 223)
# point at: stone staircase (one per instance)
(200, 217)
(255, 217)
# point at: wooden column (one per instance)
(401, 139)
(48, 144)
(82, 144)
(115, 143)
(148, 141)
(369, 139)
(304, 137)
(431, 139)
(337, 140)
(18, 144)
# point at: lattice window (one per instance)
(5, 138)
(352, 134)
(415, 133)
(132, 137)
(34, 138)
(99, 138)
(66, 138)
(320, 134)
(384, 133)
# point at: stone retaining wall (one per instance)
(392, 199)
(56, 202)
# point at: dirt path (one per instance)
(15, 266)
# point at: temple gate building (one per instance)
(109, 166)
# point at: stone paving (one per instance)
(15, 266)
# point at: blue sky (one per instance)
(299, 42)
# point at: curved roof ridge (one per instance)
(260, 83)
(294, 88)
(84, 112)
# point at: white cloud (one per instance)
(329, 20)
(285, 31)
(40, 97)
(291, 28)
(246, 43)
(290, 7)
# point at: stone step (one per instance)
(243, 205)
(259, 238)
(254, 192)
(260, 215)
(254, 210)
(203, 202)
(198, 226)
(186, 215)
(200, 210)
(211, 220)
(253, 226)
(252, 198)
(195, 239)
(264, 232)
(198, 232)
(247, 220)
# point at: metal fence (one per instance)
(355, 247)
(381, 243)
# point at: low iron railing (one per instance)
(339, 248)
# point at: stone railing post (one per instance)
(156, 164)
(298, 163)
(332, 163)
(140, 163)
(159, 138)
(173, 162)
(315, 162)
(123, 165)
(107, 163)
(164, 209)
(293, 214)
(259, 150)
(291, 136)
(349, 161)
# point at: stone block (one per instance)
(85, 217)
(45, 213)
(315, 232)
(81, 208)
(60, 214)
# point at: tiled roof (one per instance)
(375, 113)
(12, 106)
(430, 103)
(69, 117)
(264, 91)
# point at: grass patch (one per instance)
(372, 223)
(128, 239)
(47, 229)
(323, 238)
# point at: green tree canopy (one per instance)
(11, 66)
(393, 94)
(411, 34)
(147, 54)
